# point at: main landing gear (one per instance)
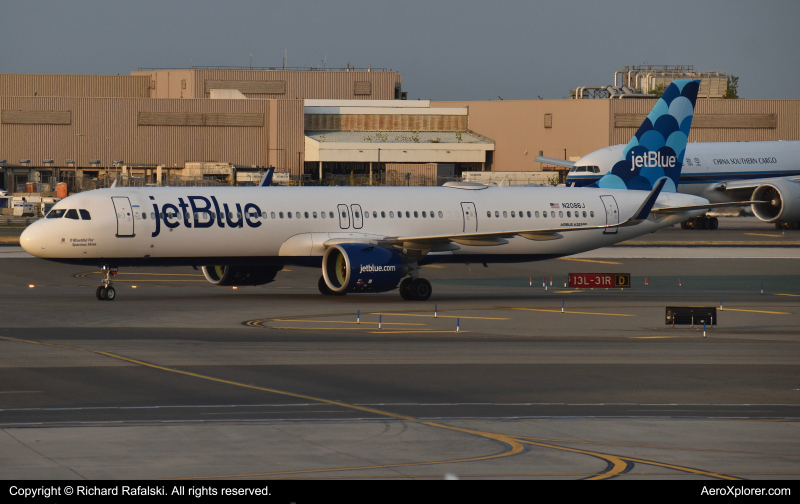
(415, 289)
(106, 291)
(701, 222)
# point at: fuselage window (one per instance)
(552, 214)
(505, 214)
(407, 214)
(416, 215)
(591, 213)
(263, 215)
(356, 214)
(366, 215)
(431, 214)
(314, 214)
(529, 214)
(488, 213)
(281, 214)
(330, 214)
(85, 215)
(306, 214)
(440, 214)
(322, 214)
(144, 215)
(584, 214)
(153, 215)
(537, 214)
(375, 214)
(521, 214)
(289, 214)
(512, 213)
(399, 215)
(71, 214)
(568, 213)
(272, 214)
(383, 214)
(344, 215)
(544, 214)
(297, 214)
(391, 214)
(423, 214)
(496, 213)
(560, 213)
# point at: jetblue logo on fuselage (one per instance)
(210, 210)
(652, 159)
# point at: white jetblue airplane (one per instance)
(364, 239)
(720, 172)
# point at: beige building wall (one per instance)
(89, 86)
(168, 132)
(273, 84)
(519, 129)
(578, 127)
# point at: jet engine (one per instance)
(240, 275)
(357, 267)
(782, 199)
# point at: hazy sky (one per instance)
(445, 50)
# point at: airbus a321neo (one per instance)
(371, 239)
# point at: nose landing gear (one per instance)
(106, 292)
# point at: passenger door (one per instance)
(470, 217)
(612, 213)
(122, 206)
(344, 216)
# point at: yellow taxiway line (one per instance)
(575, 312)
(762, 234)
(758, 311)
(430, 315)
(587, 260)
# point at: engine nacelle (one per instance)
(240, 275)
(783, 201)
(357, 267)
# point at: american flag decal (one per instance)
(554, 205)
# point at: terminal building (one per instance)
(349, 125)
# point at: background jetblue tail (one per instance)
(657, 148)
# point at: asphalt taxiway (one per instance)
(489, 379)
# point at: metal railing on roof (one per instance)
(306, 68)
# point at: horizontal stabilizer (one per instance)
(555, 161)
(669, 210)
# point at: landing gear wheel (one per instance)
(702, 222)
(110, 294)
(99, 293)
(713, 223)
(404, 289)
(420, 289)
(684, 225)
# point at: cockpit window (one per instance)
(573, 169)
(56, 214)
(86, 216)
(71, 214)
(581, 168)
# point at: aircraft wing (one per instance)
(555, 161)
(428, 242)
(735, 185)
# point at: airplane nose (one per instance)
(32, 239)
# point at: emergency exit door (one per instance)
(470, 217)
(612, 213)
(122, 206)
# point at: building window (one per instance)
(548, 120)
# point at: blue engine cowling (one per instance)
(357, 267)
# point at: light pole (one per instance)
(108, 166)
(203, 157)
(76, 158)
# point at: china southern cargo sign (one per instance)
(600, 280)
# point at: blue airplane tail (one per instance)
(658, 147)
